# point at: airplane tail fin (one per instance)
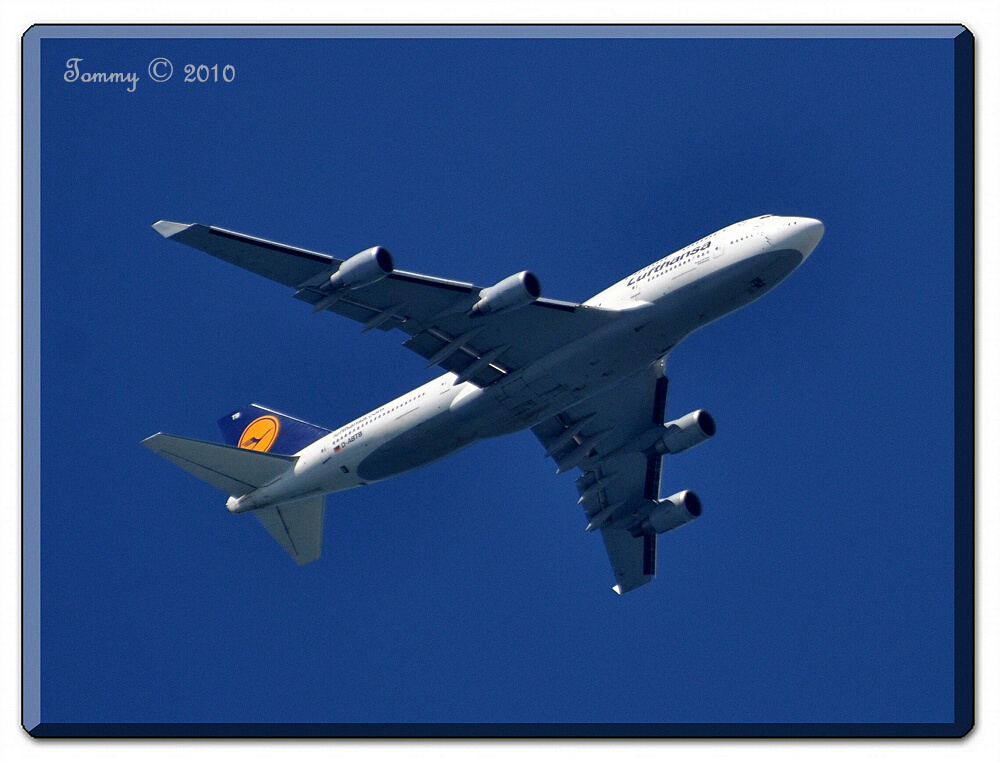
(254, 427)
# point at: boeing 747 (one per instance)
(588, 379)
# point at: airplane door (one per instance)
(719, 249)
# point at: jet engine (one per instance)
(670, 513)
(511, 293)
(363, 269)
(684, 433)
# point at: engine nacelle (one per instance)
(363, 269)
(686, 432)
(511, 293)
(670, 513)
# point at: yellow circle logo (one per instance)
(260, 434)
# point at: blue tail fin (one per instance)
(256, 428)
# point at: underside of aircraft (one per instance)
(588, 379)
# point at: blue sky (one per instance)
(816, 587)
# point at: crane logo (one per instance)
(260, 434)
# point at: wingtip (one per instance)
(150, 441)
(169, 229)
(617, 589)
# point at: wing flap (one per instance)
(627, 411)
(607, 438)
(633, 559)
(436, 296)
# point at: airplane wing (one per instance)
(606, 437)
(432, 311)
(298, 527)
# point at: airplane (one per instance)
(588, 379)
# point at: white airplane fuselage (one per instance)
(656, 308)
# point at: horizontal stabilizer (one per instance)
(298, 527)
(231, 469)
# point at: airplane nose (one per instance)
(803, 233)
